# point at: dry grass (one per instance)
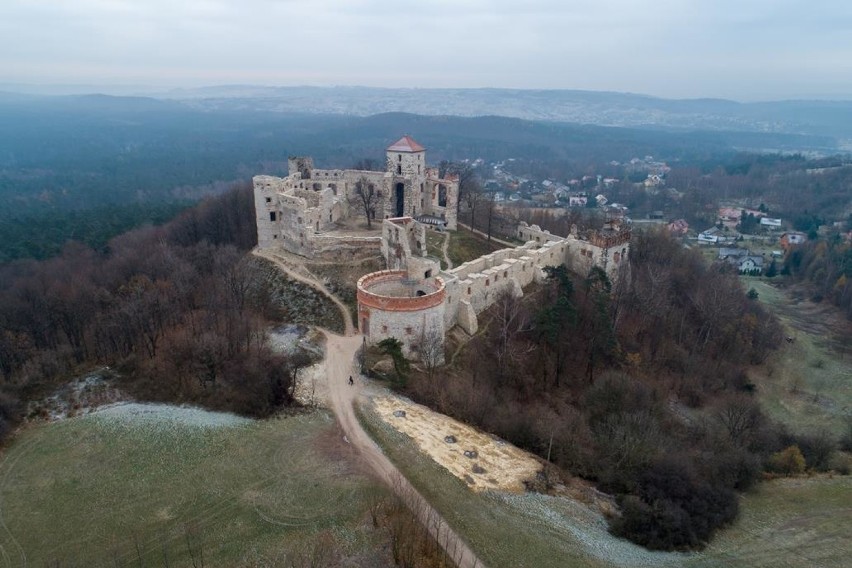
(788, 522)
(496, 465)
(806, 384)
(465, 246)
(108, 490)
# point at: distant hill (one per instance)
(822, 118)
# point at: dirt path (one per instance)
(485, 235)
(340, 355)
(339, 366)
(444, 248)
(292, 273)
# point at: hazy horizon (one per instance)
(749, 50)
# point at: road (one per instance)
(339, 365)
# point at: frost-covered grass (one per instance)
(155, 482)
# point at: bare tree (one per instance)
(365, 197)
(467, 179)
(511, 319)
(431, 350)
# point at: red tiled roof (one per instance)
(406, 144)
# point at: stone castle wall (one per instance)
(387, 309)
(294, 212)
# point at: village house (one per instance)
(791, 239)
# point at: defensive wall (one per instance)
(471, 288)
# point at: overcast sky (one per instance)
(739, 49)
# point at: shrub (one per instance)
(674, 509)
(817, 449)
(788, 461)
(846, 438)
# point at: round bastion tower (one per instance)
(392, 304)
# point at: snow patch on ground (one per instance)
(78, 397)
(167, 415)
(588, 527)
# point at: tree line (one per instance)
(825, 266)
(180, 311)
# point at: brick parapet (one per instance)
(396, 303)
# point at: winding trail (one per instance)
(292, 273)
(339, 366)
(444, 248)
(340, 355)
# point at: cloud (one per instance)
(743, 49)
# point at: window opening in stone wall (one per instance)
(269, 200)
(399, 169)
(399, 156)
(384, 329)
(428, 273)
(468, 290)
(505, 273)
(442, 195)
(487, 283)
(408, 331)
(420, 293)
(400, 199)
(272, 215)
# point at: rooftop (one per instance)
(406, 144)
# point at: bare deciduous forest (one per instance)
(181, 312)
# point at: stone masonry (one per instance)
(301, 212)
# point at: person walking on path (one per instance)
(351, 382)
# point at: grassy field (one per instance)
(787, 522)
(465, 246)
(434, 243)
(806, 384)
(164, 490)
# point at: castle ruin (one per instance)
(301, 213)
(414, 300)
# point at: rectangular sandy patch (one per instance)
(495, 465)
